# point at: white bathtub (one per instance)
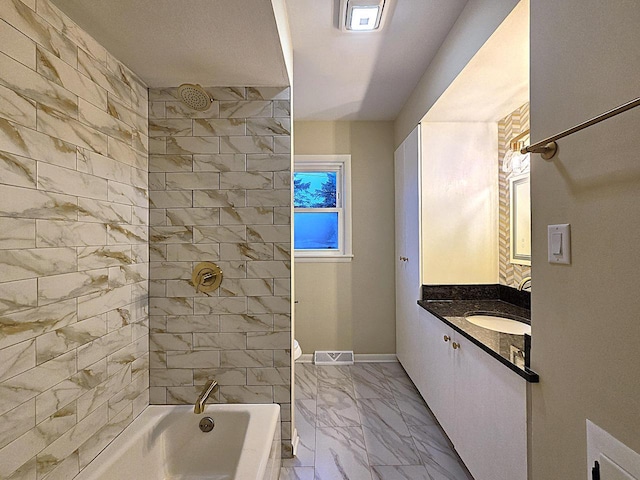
(165, 443)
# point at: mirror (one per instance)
(520, 220)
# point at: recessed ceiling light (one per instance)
(363, 18)
(362, 15)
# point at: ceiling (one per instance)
(363, 76)
(169, 42)
(337, 75)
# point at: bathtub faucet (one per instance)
(202, 399)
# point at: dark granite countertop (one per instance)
(458, 308)
(506, 348)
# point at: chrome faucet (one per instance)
(202, 399)
(524, 282)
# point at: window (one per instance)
(321, 201)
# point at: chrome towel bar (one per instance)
(548, 147)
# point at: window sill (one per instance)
(321, 258)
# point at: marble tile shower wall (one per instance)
(220, 191)
(73, 244)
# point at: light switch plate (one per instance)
(559, 243)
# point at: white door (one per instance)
(408, 279)
(401, 306)
(412, 205)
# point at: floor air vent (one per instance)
(333, 357)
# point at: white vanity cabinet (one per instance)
(480, 403)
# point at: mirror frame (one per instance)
(518, 186)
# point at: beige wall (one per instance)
(586, 325)
(74, 345)
(351, 306)
(459, 203)
(474, 26)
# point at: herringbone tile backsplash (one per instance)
(510, 126)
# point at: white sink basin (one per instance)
(500, 324)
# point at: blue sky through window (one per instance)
(314, 189)
(315, 230)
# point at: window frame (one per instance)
(328, 163)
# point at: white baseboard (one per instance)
(358, 357)
(305, 358)
(375, 357)
(295, 442)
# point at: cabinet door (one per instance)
(490, 431)
(408, 278)
(436, 379)
(400, 236)
(412, 215)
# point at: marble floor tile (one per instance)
(392, 369)
(430, 436)
(399, 472)
(305, 454)
(306, 381)
(305, 419)
(415, 411)
(438, 457)
(387, 447)
(381, 413)
(305, 414)
(403, 387)
(341, 454)
(366, 421)
(369, 381)
(376, 367)
(386, 435)
(297, 473)
(336, 408)
(331, 372)
(345, 384)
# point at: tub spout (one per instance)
(202, 399)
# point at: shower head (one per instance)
(194, 96)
